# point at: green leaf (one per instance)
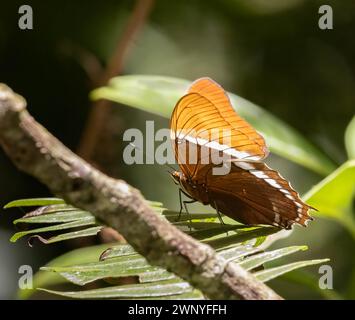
(193, 295)
(350, 139)
(58, 217)
(174, 216)
(333, 196)
(269, 274)
(117, 251)
(77, 256)
(71, 235)
(122, 260)
(110, 268)
(156, 275)
(252, 233)
(238, 251)
(146, 290)
(214, 231)
(261, 258)
(33, 202)
(158, 94)
(79, 223)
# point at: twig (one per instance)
(101, 109)
(34, 150)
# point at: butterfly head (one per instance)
(177, 177)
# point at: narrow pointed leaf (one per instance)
(269, 274)
(237, 252)
(33, 202)
(70, 235)
(80, 223)
(58, 217)
(147, 290)
(224, 242)
(263, 257)
(118, 251)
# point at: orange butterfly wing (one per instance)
(204, 117)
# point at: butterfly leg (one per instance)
(219, 216)
(183, 204)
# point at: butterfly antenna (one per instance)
(165, 164)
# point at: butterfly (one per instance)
(249, 192)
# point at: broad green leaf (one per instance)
(158, 94)
(146, 290)
(333, 196)
(350, 139)
(269, 274)
(259, 259)
(33, 202)
(79, 223)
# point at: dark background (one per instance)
(270, 52)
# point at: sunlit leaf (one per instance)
(145, 290)
(333, 196)
(234, 242)
(63, 226)
(70, 235)
(58, 217)
(226, 241)
(269, 274)
(33, 202)
(350, 139)
(263, 257)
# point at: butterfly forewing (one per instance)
(206, 118)
(243, 136)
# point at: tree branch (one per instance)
(101, 109)
(34, 150)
